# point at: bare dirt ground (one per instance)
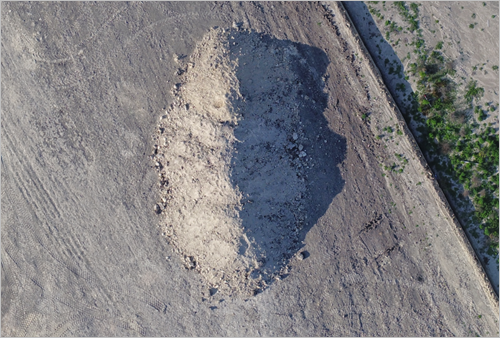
(91, 240)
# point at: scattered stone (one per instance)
(219, 131)
(257, 291)
(157, 209)
(237, 25)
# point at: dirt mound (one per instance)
(237, 155)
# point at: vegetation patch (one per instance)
(448, 115)
(409, 16)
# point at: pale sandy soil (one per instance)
(87, 249)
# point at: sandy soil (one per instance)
(89, 247)
(474, 51)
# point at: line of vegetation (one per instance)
(411, 18)
(464, 152)
(375, 12)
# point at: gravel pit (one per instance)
(246, 161)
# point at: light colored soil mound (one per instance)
(231, 160)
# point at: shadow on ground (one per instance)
(381, 50)
(285, 161)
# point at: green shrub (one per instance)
(419, 43)
(462, 152)
(405, 13)
(472, 91)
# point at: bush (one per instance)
(472, 91)
(458, 149)
(405, 13)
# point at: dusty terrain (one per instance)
(88, 222)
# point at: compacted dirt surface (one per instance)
(209, 169)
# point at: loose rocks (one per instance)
(229, 168)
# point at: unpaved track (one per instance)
(83, 87)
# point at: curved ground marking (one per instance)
(85, 316)
(172, 19)
(107, 22)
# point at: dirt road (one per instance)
(84, 88)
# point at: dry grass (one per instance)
(493, 238)
(445, 148)
(450, 65)
(463, 132)
(458, 117)
(476, 181)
